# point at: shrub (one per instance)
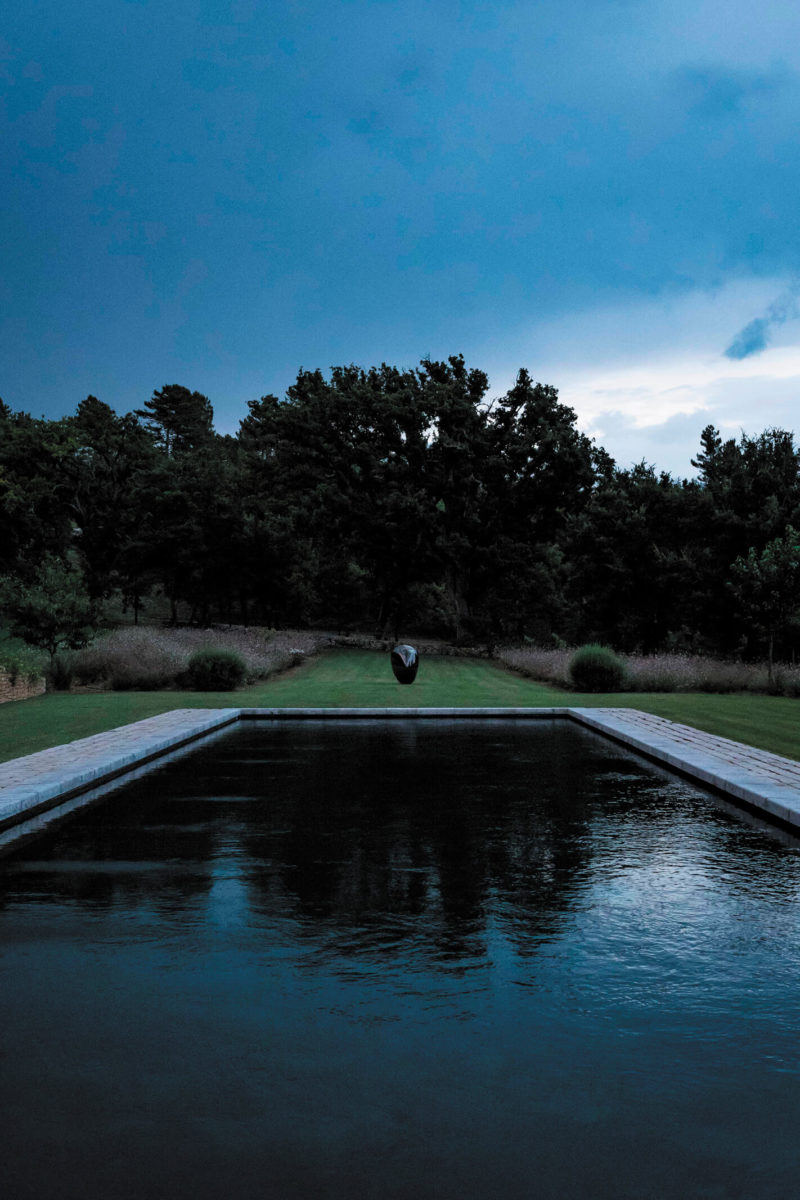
(21, 662)
(214, 669)
(129, 660)
(60, 673)
(596, 669)
(52, 611)
(145, 658)
(789, 682)
(666, 672)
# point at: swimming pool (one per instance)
(402, 959)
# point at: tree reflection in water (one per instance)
(370, 835)
(328, 955)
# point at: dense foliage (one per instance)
(389, 500)
(215, 669)
(596, 668)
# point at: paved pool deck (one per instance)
(47, 780)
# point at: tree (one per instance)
(34, 490)
(767, 586)
(108, 472)
(270, 551)
(537, 478)
(179, 419)
(335, 488)
(52, 611)
(408, 498)
(749, 491)
(708, 460)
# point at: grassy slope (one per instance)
(361, 678)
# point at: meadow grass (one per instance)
(660, 672)
(363, 679)
(146, 658)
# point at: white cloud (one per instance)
(651, 391)
(656, 409)
(645, 378)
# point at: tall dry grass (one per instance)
(143, 658)
(659, 672)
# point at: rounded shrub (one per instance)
(215, 670)
(596, 669)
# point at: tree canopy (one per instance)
(393, 499)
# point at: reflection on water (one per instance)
(459, 959)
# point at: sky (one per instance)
(216, 193)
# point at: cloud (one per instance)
(655, 408)
(745, 404)
(645, 376)
(757, 334)
(718, 91)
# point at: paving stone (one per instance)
(764, 780)
(38, 780)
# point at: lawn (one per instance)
(361, 678)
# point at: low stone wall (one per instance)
(21, 689)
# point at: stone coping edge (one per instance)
(765, 795)
(38, 782)
(316, 714)
(63, 772)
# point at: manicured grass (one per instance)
(363, 679)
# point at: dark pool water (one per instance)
(404, 960)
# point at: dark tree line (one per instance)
(390, 500)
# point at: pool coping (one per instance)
(38, 782)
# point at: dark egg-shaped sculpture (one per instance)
(405, 664)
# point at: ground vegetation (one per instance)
(362, 678)
(660, 672)
(146, 658)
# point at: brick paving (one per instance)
(766, 781)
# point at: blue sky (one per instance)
(217, 192)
